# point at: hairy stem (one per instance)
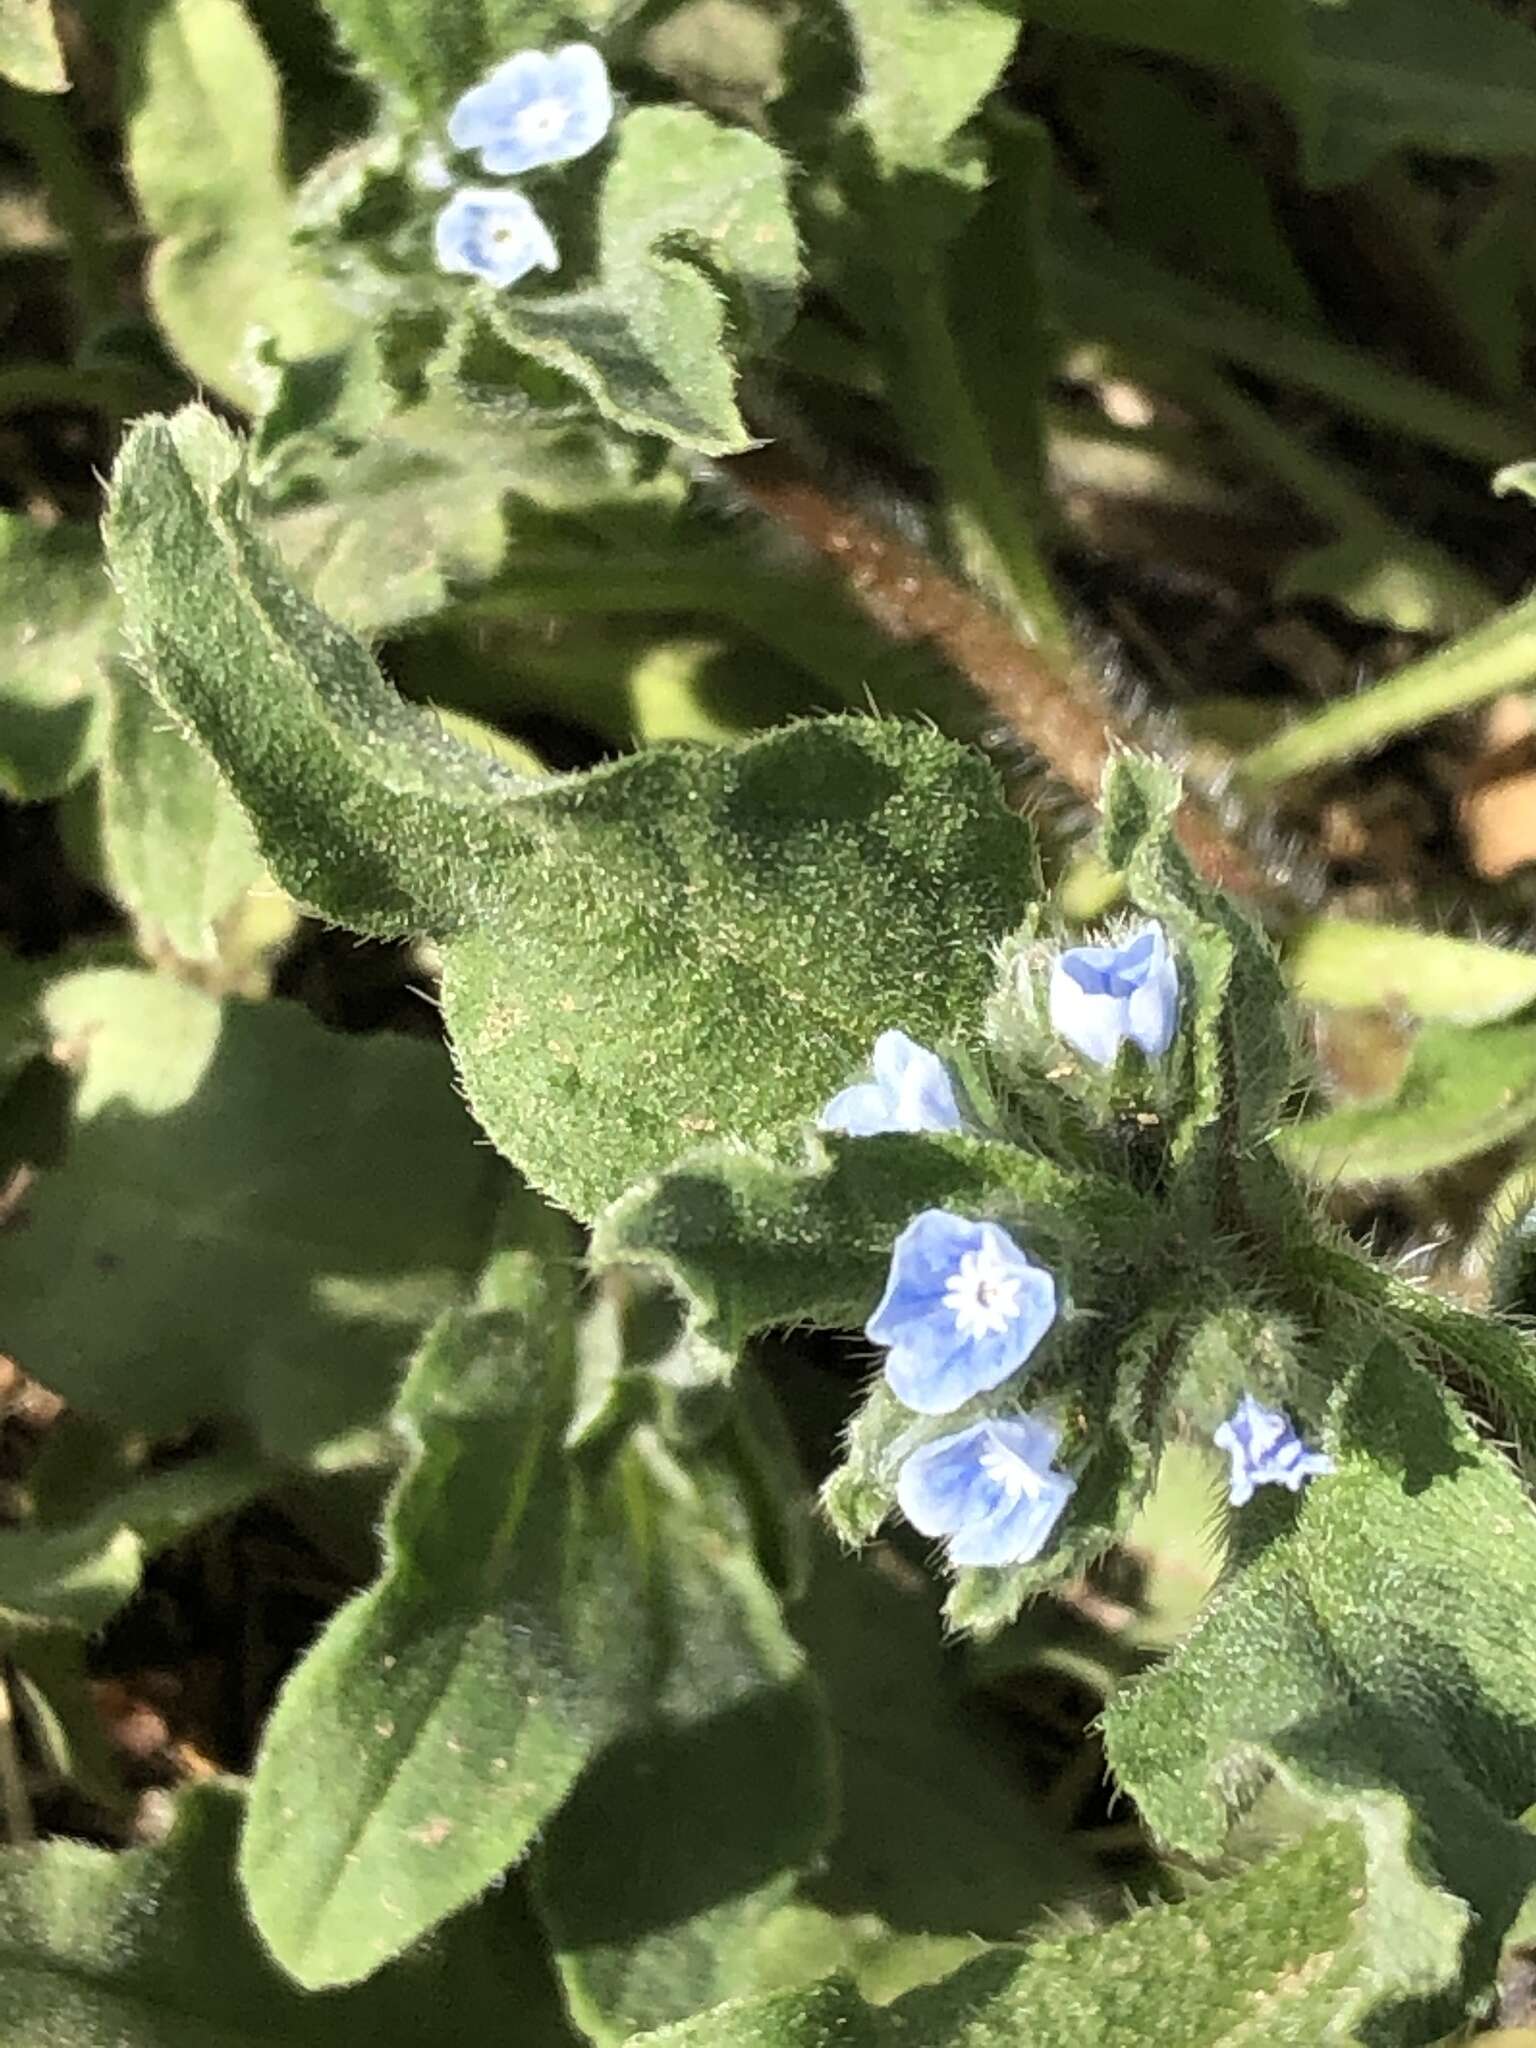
(1496, 657)
(1045, 697)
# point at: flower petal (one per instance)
(949, 1278)
(1090, 1021)
(944, 1486)
(536, 108)
(1101, 996)
(489, 232)
(1152, 1013)
(485, 111)
(991, 1490)
(923, 1257)
(1016, 1531)
(862, 1111)
(935, 1378)
(1265, 1450)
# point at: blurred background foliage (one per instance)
(1190, 395)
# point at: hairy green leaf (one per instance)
(152, 1949)
(1273, 1955)
(940, 1833)
(447, 1711)
(179, 851)
(751, 1242)
(698, 264)
(253, 1220)
(362, 806)
(716, 938)
(57, 618)
(1371, 1651)
(206, 165)
(720, 1789)
(1463, 1092)
(689, 944)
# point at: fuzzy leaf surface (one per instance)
(363, 808)
(1273, 1955)
(253, 1220)
(152, 1949)
(689, 944)
(447, 1711)
(721, 1789)
(179, 850)
(1370, 1650)
(698, 263)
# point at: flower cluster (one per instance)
(965, 1308)
(537, 108)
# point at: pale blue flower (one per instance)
(990, 1491)
(1265, 1451)
(911, 1091)
(491, 232)
(962, 1310)
(1102, 996)
(536, 108)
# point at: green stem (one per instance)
(997, 537)
(44, 128)
(1104, 293)
(1334, 495)
(1496, 657)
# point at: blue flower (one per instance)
(1103, 995)
(493, 233)
(1265, 1451)
(962, 1310)
(535, 109)
(911, 1091)
(990, 1490)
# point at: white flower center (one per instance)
(541, 122)
(1008, 1470)
(983, 1297)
